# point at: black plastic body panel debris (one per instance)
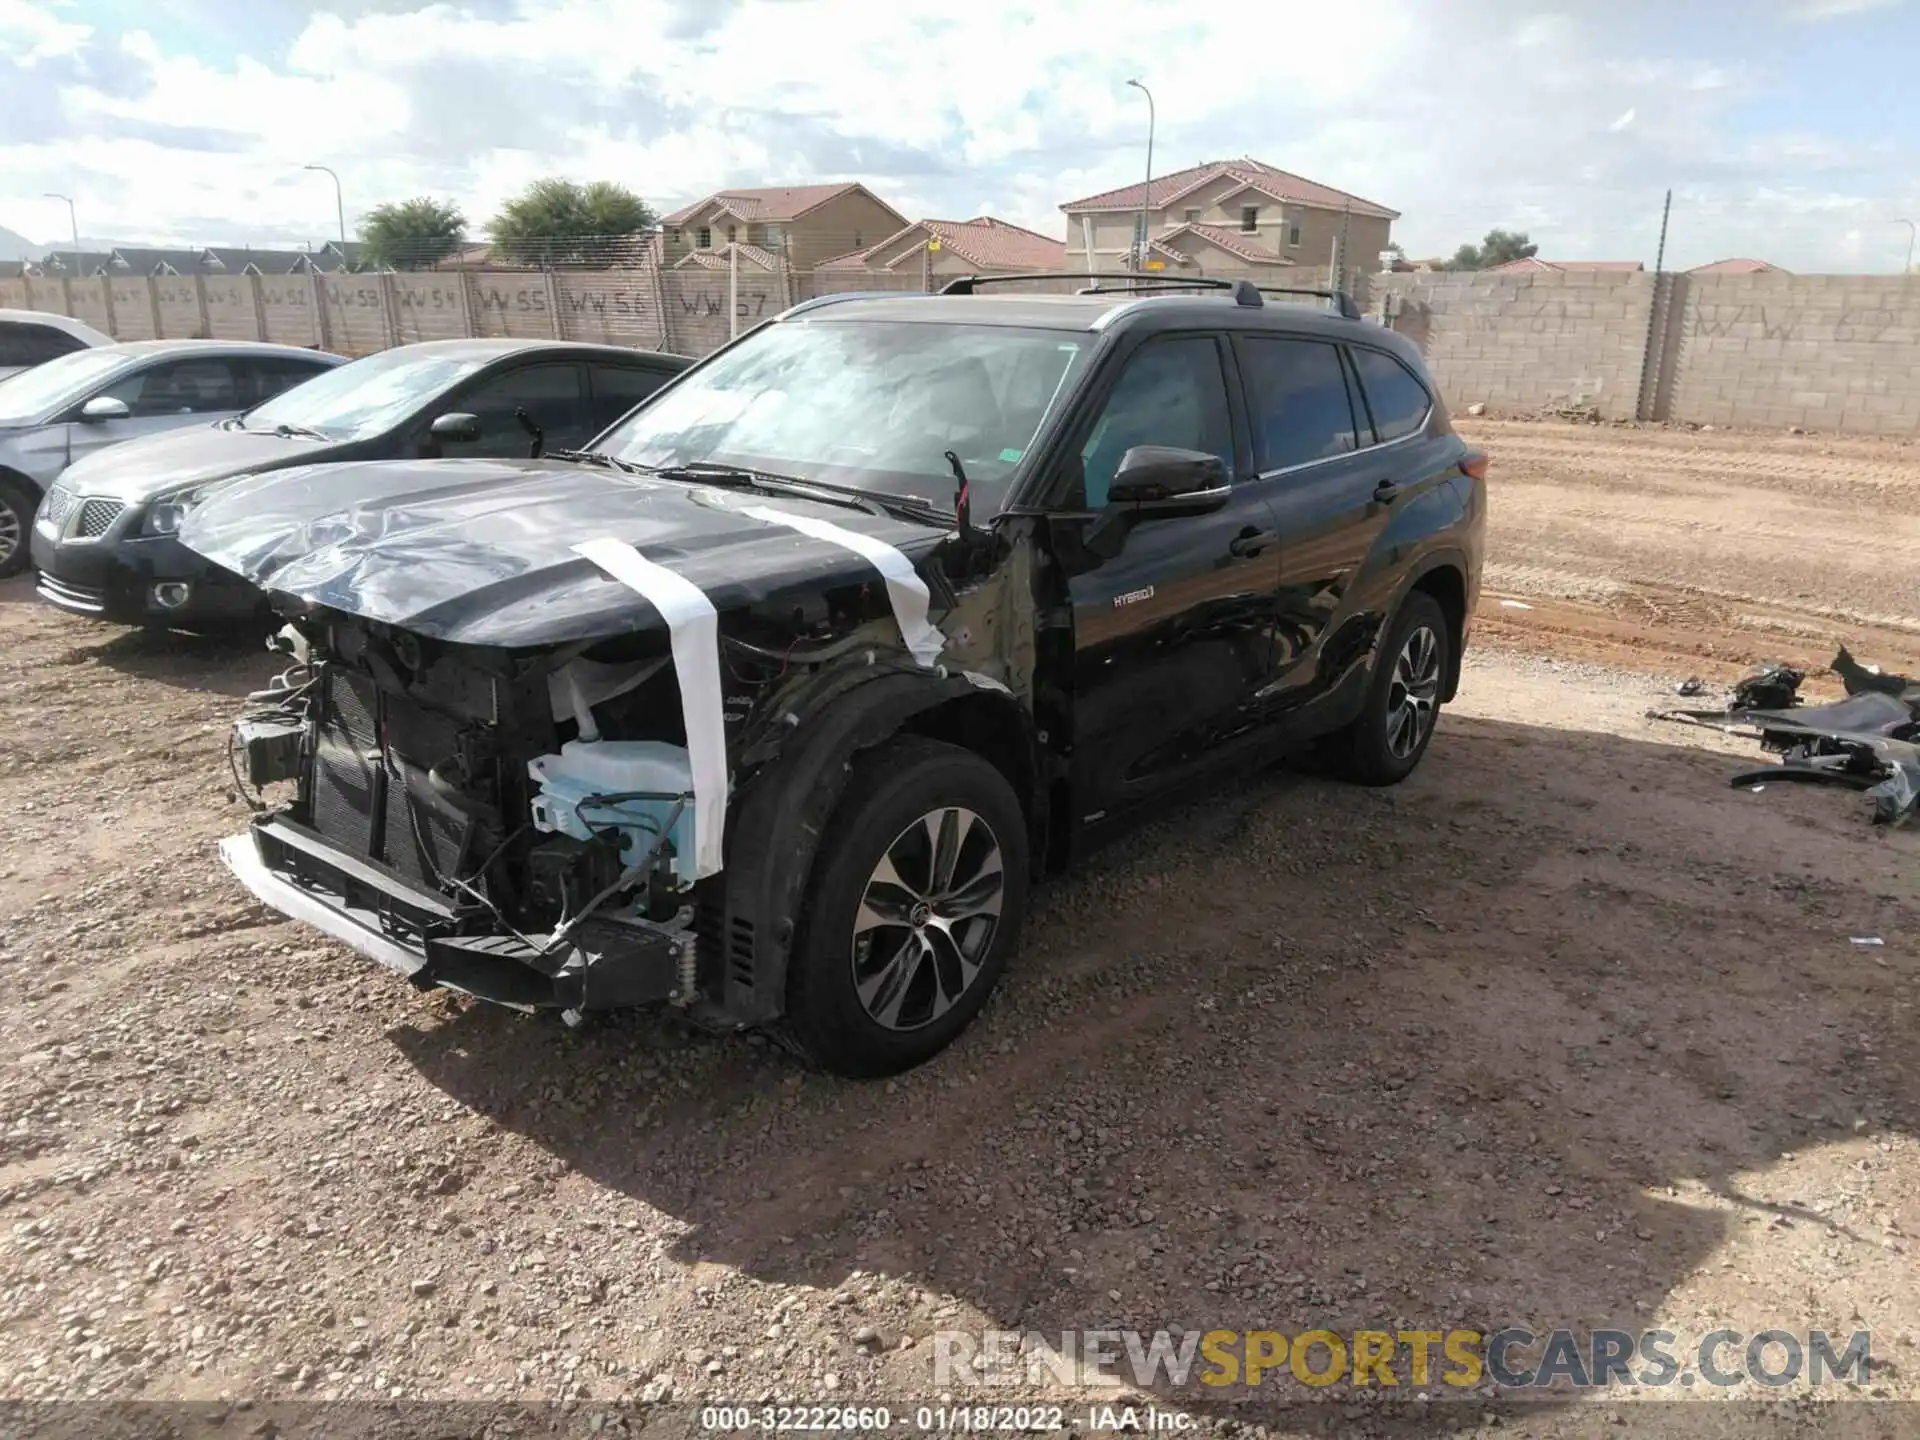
(1869, 741)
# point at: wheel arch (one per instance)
(17, 561)
(749, 914)
(1443, 576)
(25, 481)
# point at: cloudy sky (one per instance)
(1788, 129)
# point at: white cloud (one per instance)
(1813, 11)
(32, 33)
(1567, 125)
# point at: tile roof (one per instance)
(146, 260)
(984, 241)
(1534, 262)
(67, 262)
(1737, 267)
(1270, 180)
(775, 202)
(718, 259)
(997, 245)
(1231, 241)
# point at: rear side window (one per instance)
(263, 379)
(1398, 401)
(1297, 397)
(617, 389)
(22, 343)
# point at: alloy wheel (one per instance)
(1413, 692)
(927, 918)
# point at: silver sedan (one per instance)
(56, 413)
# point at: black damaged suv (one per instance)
(773, 701)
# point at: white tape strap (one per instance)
(905, 589)
(694, 630)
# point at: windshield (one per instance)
(870, 404)
(25, 397)
(365, 397)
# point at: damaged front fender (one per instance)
(750, 914)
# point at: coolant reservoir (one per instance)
(587, 768)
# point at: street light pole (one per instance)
(1910, 234)
(73, 224)
(1146, 196)
(339, 205)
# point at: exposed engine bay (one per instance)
(525, 826)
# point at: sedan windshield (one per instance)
(870, 404)
(364, 398)
(35, 394)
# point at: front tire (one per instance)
(17, 504)
(915, 904)
(1385, 743)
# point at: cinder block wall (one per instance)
(1525, 341)
(1838, 353)
(1834, 353)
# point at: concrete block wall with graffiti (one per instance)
(689, 312)
(1832, 353)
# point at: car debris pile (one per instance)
(1869, 741)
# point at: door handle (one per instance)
(1251, 542)
(1386, 492)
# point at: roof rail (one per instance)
(1340, 300)
(1117, 283)
(818, 301)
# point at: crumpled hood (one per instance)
(480, 552)
(138, 469)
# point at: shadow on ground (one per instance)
(1501, 1047)
(232, 662)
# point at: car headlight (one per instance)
(166, 512)
(164, 516)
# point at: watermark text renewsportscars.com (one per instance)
(1514, 1358)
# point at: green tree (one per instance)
(1498, 248)
(562, 222)
(412, 234)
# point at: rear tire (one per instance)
(17, 504)
(1396, 723)
(915, 904)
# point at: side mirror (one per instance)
(1164, 480)
(457, 428)
(102, 408)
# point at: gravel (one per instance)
(1561, 1032)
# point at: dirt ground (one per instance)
(1563, 1032)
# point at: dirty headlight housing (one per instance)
(167, 511)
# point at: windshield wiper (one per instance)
(881, 502)
(738, 477)
(595, 457)
(299, 432)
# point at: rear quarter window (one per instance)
(23, 343)
(1398, 401)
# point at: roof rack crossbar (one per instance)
(1110, 282)
(1341, 301)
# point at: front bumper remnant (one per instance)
(608, 964)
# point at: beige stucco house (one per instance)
(801, 224)
(1234, 217)
(932, 249)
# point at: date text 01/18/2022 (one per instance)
(875, 1419)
